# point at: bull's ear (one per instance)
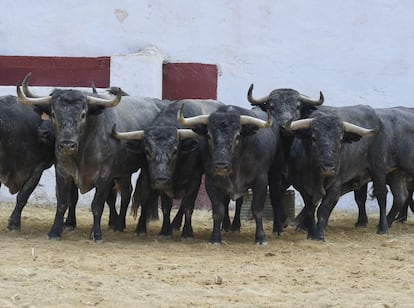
(135, 146)
(200, 129)
(188, 145)
(350, 137)
(42, 109)
(95, 109)
(248, 130)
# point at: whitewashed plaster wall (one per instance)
(354, 51)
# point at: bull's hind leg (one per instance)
(360, 196)
(70, 222)
(21, 200)
(126, 191)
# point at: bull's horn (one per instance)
(299, 124)
(133, 135)
(245, 120)
(307, 100)
(186, 133)
(105, 102)
(201, 119)
(39, 101)
(254, 101)
(363, 132)
(25, 87)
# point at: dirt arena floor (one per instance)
(353, 268)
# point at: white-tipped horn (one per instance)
(248, 120)
(39, 101)
(299, 124)
(105, 102)
(186, 133)
(132, 135)
(307, 100)
(201, 119)
(363, 132)
(255, 101)
(25, 87)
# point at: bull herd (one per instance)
(97, 141)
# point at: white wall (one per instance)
(354, 51)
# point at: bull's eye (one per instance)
(237, 139)
(52, 115)
(147, 153)
(83, 115)
(174, 152)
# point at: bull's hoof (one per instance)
(361, 224)
(382, 231)
(141, 234)
(215, 240)
(96, 237)
(187, 238)
(215, 243)
(11, 226)
(165, 236)
(54, 237)
(261, 243)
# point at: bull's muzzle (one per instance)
(328, 171)
(161, 183)
(67, 147)
(221, 169)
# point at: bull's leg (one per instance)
(126, 191)
(166, 205)
(399, 191)
(113, 214)
(325, 209)
(360, 196)
(236, 224)
(188, 206)
(178, 219)
(21, 200)
(148, 199)
(70, 222)
(226, 219)
(98, 202)
(216, 198)
(380, 192)
(308, 215)
(64, 187)
(258, 201)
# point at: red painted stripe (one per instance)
(56, 71)
(189, 80)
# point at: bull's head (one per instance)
(326, 134)
(68, 111)
(163, 145)
(224, 129)
(285, 104)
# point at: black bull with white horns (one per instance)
(174, 158)
(242, 152)
(368, 154)
(86, 155)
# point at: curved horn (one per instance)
(201, 119)
(25, 87)
(39, 101)
(105, 102)
(244, 120)
(363, 132)
(186, 133)
(307, 100)
(254, 101)
(299, 124)
(133, 135)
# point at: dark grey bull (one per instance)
(86, 155)
(242, 153)
(289, 103)
(174, 158)
(26, 150)
(328, 154)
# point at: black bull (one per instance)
(26, 150)
(243, 152)
(86, 155)
(174, 158)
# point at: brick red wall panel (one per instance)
(189, 80)
(56, 71)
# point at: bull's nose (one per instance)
(67, 146)
(161, 183)
(221, 168)
(328, 171)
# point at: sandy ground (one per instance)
(353, 268)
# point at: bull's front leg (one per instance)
(258, 201)
(70, 222)
(64, 187)
(325, 208)
(98, 202)
(216, 198)
(126, 192)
